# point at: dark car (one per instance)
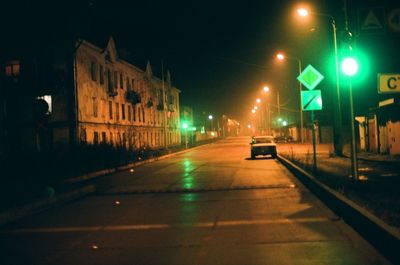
(283, 139)
(263, 145)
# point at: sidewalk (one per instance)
(377, 188)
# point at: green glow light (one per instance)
(349, 66)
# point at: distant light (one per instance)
(258, 100)
(280, 56)
(253, 111)
(249, 126)
(117, 202)
(255, 107)
(131, 170)
(212, 133)
(184, 125)
(210, 117)
(284, 123)
(95, 247)
(279, 119)
(266, 89)
(302, 12)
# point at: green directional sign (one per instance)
(310, 77)
(311, 100)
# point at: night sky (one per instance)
(220, 53)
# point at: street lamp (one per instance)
(303, 12)
(267, 90)
(281, 57)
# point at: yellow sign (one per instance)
(388, 83)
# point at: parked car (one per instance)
(283, 139)
(262, 145)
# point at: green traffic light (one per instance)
(184, 125)
(349, 66)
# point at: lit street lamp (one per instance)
(303, 12)
(282, 57)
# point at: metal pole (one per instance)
(313, 142)
(301, 109)
(354, 165)
(338, 145)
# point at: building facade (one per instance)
(98, 98)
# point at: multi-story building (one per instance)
(86, 94)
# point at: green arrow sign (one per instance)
(310, 77)
(311, 100)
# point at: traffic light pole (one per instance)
(354, 165)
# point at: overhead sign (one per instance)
(388, 83)
(371, 20)
(394, 19)
(311, 100)
(310, 77)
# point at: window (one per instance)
(94, 71)
(128, 84)
(101, 74)
(115, 79)
(133, 84)
(134, 113)
(121, 81)
(48, 100)
(139, 114)
(110, 110)
(103, 138)
(12, 69)
(95, 138)
(123, 111)
(117, 111)
(111, 138)
(143, 115)
(95, 107)
(109, 80)
(129, 113)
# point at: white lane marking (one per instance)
(164, 226)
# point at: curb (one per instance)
(383, 237)
(42, 204)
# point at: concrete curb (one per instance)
(42, 204)
(382, 236)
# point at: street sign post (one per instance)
(311, 100)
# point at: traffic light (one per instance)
(349, 66)
(185, 125)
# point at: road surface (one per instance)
(210, 205)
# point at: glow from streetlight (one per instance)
(280, 56)
(253, 111)
(255, 107)
(266, 89)
(210, 117)
(284, 123)
(258, 100)
(249, 126)
(302, 12)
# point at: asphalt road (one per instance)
(211, 205)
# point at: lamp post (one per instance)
(282, 57)
(337, 118)
(266, 90)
